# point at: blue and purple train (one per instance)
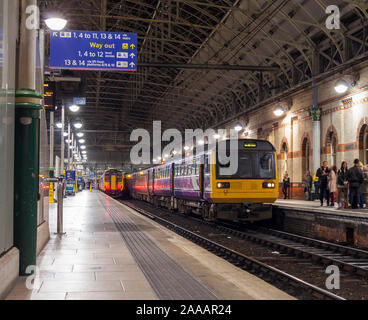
(194, 184)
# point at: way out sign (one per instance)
(86, 50)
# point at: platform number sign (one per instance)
(86, 50)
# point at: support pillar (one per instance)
(316, 115)
(27, 137)
(52, 137)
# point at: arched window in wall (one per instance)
(284, 158)
(333, 148)
(306, 155)
(331, 145)
(363, 144)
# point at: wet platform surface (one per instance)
(110, 252)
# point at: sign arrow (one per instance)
(132, 46)
(132, 55)
(132, 64)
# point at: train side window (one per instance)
(189, 166)
(206, 164)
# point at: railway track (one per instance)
(284, 281)
(349, 259)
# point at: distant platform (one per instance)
(110, 252)
(316, 206)
(309, 219)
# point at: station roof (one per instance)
(290, 35)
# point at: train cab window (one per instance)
(266, 165)
(107, 178)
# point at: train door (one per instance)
(153, 180)
(113, 182)
(202, 175)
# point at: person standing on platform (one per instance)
(322, 174)
(355, 178)
(307, 181)
(316, 187)
(343, 186)
(332, 185)
(286, 186)
(364, 188)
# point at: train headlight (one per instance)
(223, 185)
(268, 185)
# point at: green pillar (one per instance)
(26, 175)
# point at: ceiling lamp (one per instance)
(341, 86)
(78, 125)
(217, 136)
(279, 111)
(82, 141)
(66, 134)
(74, 108)
(186, 148)
(56, 24)
(59, 125)
(83, 147)
(201, 142)
(80, 135)
(238, 127)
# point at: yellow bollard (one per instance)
(51, 193)
(90, 187)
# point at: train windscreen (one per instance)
(251, 165)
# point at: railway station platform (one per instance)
(309, 219)
(110, 252)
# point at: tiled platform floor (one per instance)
(91, 262)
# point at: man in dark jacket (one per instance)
(322, 174)
(355, 178)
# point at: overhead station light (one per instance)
(66, 134)
(84, 152)
(217, 136)
(80, 135)
(341, 86)
(56, 24)
(78, 125)
(82, 141)
(74, 108)
(83, 147)
(201, 142)
(238, 127)
(186, 148)
(59, 125)
(279, 111)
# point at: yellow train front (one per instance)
(112, 183)
(242, 189)
(247, 193)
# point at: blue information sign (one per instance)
(80, 101)
(86, 50)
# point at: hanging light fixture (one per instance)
(74, 108)
(238, 127)
(78, 125)
(56, 24)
